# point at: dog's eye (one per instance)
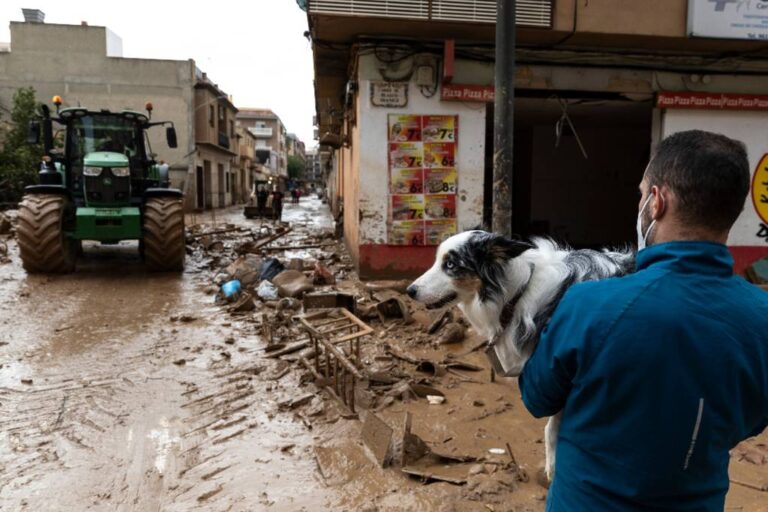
(450, 265)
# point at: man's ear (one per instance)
(660, 202)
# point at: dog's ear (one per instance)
(503, 248)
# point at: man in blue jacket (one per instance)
(660, 373)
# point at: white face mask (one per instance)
(643, 238)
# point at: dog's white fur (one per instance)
(541, 271)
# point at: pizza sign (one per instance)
(760, 189)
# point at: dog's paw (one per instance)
(542, 478)
(550, 472)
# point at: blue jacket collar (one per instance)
(689, 257)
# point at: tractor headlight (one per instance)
(121, 172)
(92, 171)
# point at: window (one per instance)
(221, 113)
(210, 115)
(232, 129)
(227, 182)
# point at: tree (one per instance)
(296, 167)
(19, 161)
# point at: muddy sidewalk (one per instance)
(122, 390)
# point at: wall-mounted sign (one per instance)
(728, 19)
(458, 92)
(760, 189)
(711, 101)
(422, 178)
(389, 94)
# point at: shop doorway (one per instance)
(583, 194)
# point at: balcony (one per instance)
(530, 13)
(223, 140)
(261, 131)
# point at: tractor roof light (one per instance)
(57, 100)
(148, 105)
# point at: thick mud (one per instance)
(122, 390)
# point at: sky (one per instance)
(254, 50)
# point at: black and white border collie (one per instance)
(508, 290)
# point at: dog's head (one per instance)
(468, 265)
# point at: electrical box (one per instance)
(425, 76)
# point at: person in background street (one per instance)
(277, 204)
(298, 195)
(261, 198)
(293, 196)
(659, 373)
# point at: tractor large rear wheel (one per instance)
(43, 243)
(164, 246)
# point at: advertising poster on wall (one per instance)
(406, 181)
(423, 179)
(405, 128)
(408, 232)
(438, 230)
(407, 207)
(440, 181)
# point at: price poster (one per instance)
(406, 155)
(438, 129)
(440, 206)
(408, 232)
(440, 181)
(423, 178)
(405, 128)
(406, 181)
(407, 207)
(439, 154)
(438, 230)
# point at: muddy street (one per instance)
(129, 391)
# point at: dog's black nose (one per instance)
(412, 291)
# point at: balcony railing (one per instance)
(530, 13)
(261, 131)
(223, 140)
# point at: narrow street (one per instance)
(96, 415)
(127, 391)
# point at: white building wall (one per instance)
(373, 163)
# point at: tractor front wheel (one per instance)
(164, 246)
(43, 243)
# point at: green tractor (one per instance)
(103, 185)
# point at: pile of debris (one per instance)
(7, 222)
(366, 346)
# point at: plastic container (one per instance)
(231, 289)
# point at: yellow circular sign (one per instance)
(760, 189)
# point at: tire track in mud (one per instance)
(44, 425)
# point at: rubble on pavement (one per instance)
(367, 345)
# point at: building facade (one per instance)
(92, 73)
(216, 146)
(405, 106)
(271, 142)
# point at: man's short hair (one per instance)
(708, 173)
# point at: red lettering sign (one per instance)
(711, 101)
(477, 93)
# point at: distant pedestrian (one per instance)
(293, 196)
(261, 199)
(277, 204)
(298, 195)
